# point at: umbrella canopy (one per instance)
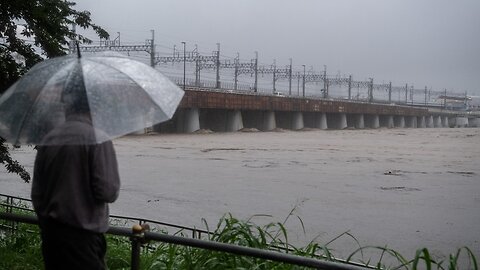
(115, 94)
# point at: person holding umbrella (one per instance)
(74, 107)
(72, 186)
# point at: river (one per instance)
(405, 188)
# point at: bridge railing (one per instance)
(210, 85)
(141, 233)
(228, 87)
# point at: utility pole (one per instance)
(274, 71)
(350, 87)
(425, 96)
(197, 67)
(184, 62)
(445, 99)
(255, 86)
(298, 83)
(72, 42)
(152, 50)
(236, 71)
(370, 90)
(411, 94)
(390, 92)
(406, 93)
(218, 66)
(325, 90)
(303, 84)
(290, 79)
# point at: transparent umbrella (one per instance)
(116, 94)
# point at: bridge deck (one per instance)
(246, 101)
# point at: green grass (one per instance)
(21, 250)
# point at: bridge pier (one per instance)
(297, 120)
(343, 121)
(421, 122)
(214, 111)
(437, 121)
(359, 121)
(323, 121)
(187, 120)
(391, 121)
(220, 120)
(447, 121)
(399, 121)
(269, 121)
(430, 123)
(234, 121)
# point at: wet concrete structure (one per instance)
(228, 112)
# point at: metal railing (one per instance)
(11, 203)
(226, 86)
(140, 234)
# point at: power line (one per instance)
(201, 64)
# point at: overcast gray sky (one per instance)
(434, 43)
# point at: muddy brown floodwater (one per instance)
(405, 188)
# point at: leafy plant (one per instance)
(21, 250)
(47, 24)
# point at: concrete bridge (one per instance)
(229, 111)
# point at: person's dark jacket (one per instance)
(74, 182)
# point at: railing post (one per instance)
(137, 240)
(10, 211)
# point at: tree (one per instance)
(31, 30)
